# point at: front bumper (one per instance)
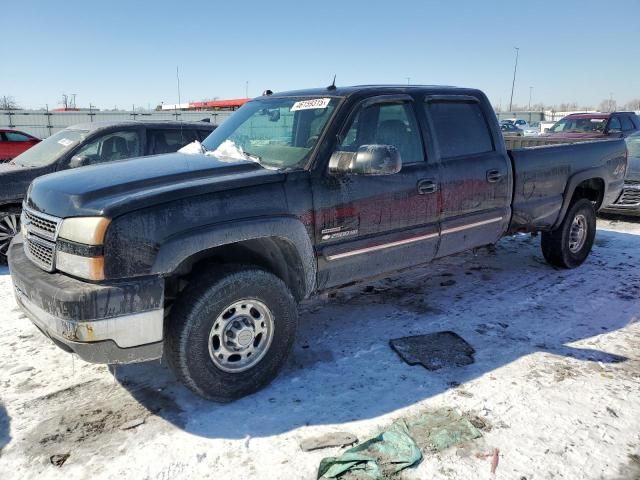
(628, 203)
(116, 322)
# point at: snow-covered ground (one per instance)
(556, 378)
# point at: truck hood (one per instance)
(15, 179)
(115, 188)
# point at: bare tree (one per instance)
(8, 103)
(633, 105)
(607, 105)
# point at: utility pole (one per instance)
(513, 84)
(408, 80)
(530, 92)
(610, 101)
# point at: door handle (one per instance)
(494, 176)
(427, 186)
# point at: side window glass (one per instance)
(110, 147)
(169, 141)
(627, 124)
(16, 137)
(386, 124)
(614, 125)
(460, 127)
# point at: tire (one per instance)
(566, 247)
(200, 321)
(9, 228)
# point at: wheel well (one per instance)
(591, 189)
(274, 254)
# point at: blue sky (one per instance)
(125, 52)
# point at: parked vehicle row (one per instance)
(203, 257)
(82, 145)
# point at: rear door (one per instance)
(368, 225)
(476, 178)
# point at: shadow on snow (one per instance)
(506, 305)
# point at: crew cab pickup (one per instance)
(203, 257)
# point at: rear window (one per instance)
(460, 128)
(627, 124)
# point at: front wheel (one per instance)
(9, 228)
(569, 245)
(229, 335)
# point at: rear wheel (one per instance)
(570, 244)
(9, 228)
(229, 335)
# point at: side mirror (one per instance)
(79, 161)
(368, 160)
(547, 130)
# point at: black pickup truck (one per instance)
(203, 257)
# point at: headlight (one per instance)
(79, 249)
(87, 230)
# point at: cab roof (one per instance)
(375, 90)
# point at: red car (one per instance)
(595, 125)
(13, 143)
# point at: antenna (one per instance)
(333, 85)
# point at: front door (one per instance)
(368, 225)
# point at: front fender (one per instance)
(179, 248)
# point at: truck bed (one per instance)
(543, 175)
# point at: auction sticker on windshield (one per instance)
(310, 104)
(65, 142)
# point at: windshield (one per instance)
(579, 125)
(49, 150)
(278, 132)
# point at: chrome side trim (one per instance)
(471, 225)
(380, 247)
(375, 248)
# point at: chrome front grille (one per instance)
(44, 226)
(41, 252)
(630, 197)
(40, 233)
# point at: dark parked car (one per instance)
(594, 126)
(13, 143)
(81, 145)
(204, 257)
(510, 130)
(628, 203)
